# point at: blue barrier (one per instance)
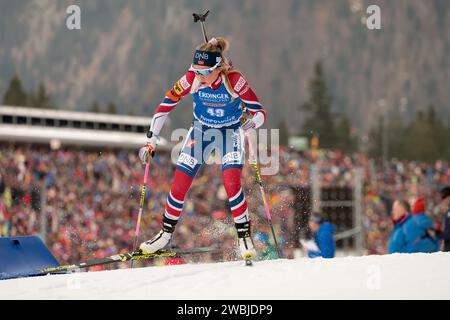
(24, 256)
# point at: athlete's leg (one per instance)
(189, 163)
(236, 198)
(232, 164)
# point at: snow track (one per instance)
(415, 276)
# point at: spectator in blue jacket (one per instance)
(323, 238)
(420, 231)
(398, 242)
(445, 206)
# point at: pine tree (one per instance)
(437, 132)
(446, 151)
(375, 138)
(111, 109)
(42, 99)
(425, 138)
(320, 121)
(15, 95)
(346, 140)
(396, 135)
(95, 107)
(419, 141)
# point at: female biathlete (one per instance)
(219, 95)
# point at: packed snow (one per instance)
(413, 276)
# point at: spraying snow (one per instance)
(414, 276)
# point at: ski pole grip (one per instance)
(149, 135)
(200, 17)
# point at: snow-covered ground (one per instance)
(413, 276)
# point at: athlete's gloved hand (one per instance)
(149, 148)
(247, 124)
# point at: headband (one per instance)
(207, 58)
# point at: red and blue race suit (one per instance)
(217, 111)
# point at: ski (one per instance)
(130, 256)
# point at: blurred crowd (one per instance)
(401, 180)
(91, 202)
(91, 199)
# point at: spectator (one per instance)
(400, 216)
(322, 232)
(445, 206)
(420, 233)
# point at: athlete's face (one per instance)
(208, 79)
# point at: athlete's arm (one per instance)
(248, 96)
(172, 98)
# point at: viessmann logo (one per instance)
(221, 96)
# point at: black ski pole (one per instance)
(202, 18)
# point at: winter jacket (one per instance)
(325, 241)
(417, 236)
(397, 242)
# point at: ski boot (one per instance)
(161, 240)
(246, 246)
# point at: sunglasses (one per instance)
(204, 72)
